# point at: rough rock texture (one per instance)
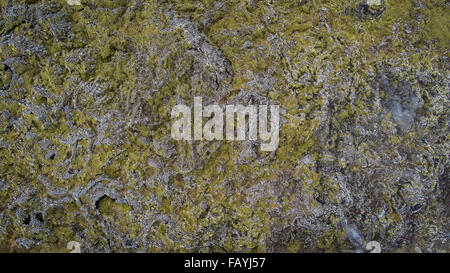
(86, 91)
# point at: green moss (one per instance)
(295, 45)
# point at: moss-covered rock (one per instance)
(86, 155)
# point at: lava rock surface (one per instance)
(86, 92)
